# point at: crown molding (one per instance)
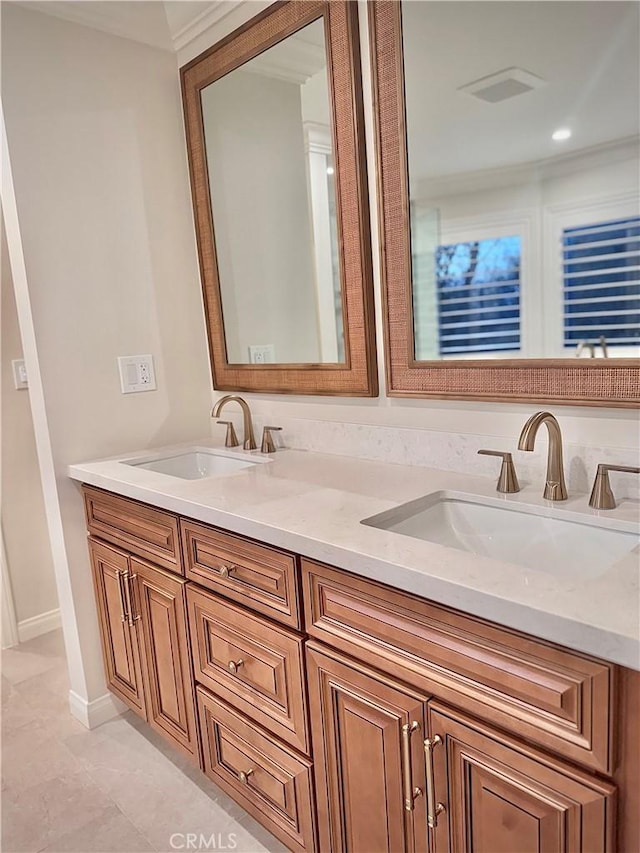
(211, 16)
(213, 24)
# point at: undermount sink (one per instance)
(525, 535)
(195, 464)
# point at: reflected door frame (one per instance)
(318, 151)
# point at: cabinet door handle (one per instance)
(225, 571)
(234, 665)
(127, 594)
(244, 777)
(433, 808)
(135, 598)
(410, 793)
(123, 607)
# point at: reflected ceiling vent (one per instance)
(503, 85)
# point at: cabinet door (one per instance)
(501, 796)
(120, 648)
(159, 601)
(366, 763)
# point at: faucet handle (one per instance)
(508, 480)
(267, 439)
(601, 495)
(231, 439)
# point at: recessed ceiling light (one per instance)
(561, 134)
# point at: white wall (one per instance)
(260, 201)
(99, 166)
(23, 517)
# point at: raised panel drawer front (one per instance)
(500, 795)
(272, 783)
(559, 699)
(141, 529)
(255, 575)
(253, 665)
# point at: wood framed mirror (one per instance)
(508, 175)
(275, 140)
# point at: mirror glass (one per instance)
(523, 123)
(267, 130)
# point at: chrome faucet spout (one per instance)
(249, 441)
(555, 488)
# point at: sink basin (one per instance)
(195, 463)
(527, 536)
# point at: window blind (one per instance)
(601, 272)
(478, 285)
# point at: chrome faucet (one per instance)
(249, 441)
(555, 488)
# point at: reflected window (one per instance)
(478, 289)
(601, 274)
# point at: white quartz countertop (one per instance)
(313, 504)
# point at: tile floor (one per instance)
(116, 789)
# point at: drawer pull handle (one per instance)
(225, 571)
(244, 777)
(410, 793)
(234, 665)
(433, 808)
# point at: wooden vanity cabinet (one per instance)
(357, 717)
(505, 733)
(143, 627)
(386, 781)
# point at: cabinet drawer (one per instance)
(269, 781)
(138, 528)
(255, 575)
(255, 666)
(553, 697)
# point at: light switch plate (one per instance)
(20, 378)
(262, 354)
(136, 373)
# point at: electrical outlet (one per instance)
(262, 354)
(20, 379)
(136, 373)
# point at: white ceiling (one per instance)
(169, 25)
(587, 52)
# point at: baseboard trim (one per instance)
(37, 625)
(98, 711)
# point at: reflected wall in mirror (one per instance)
(267, 131)
(512, 226)
(274, 133)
